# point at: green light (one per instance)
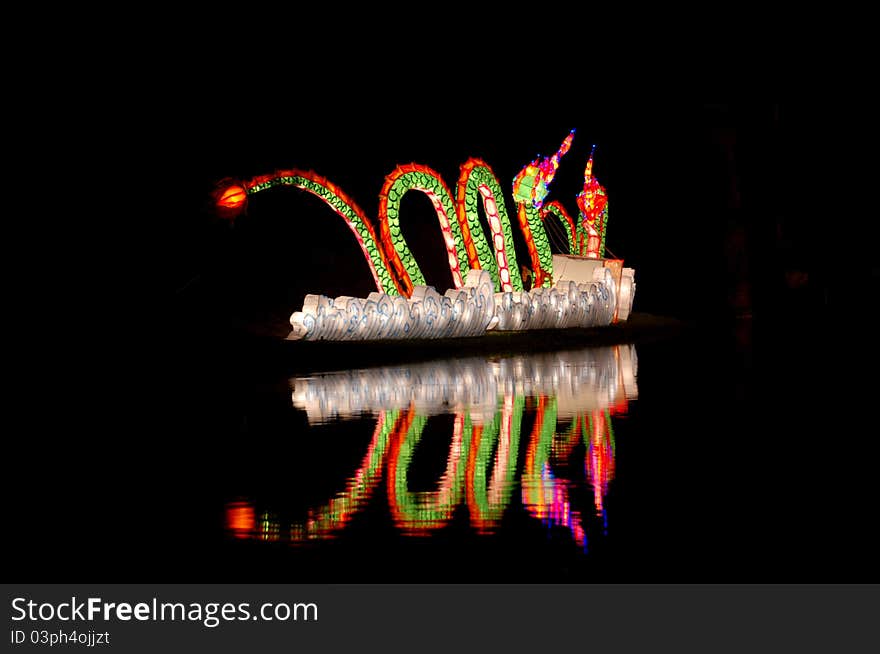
(428, 510)
(487, 513)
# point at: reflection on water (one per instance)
(527, 431)
(580, 380)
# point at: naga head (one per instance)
(532, 184)
(592, 200)
(230, 198)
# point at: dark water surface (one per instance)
(726, 455)
(707, 456)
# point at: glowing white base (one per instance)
(470, 311)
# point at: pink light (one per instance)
(496, 488)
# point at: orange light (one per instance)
(240, 519)
(232, 198)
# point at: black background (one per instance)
(729, 196)
(728, 213)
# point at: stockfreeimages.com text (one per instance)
(210, 614)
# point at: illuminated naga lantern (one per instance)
(577, 289)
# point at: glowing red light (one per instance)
(233, 197)
(240, 519)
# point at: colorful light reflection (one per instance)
(570, 398)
